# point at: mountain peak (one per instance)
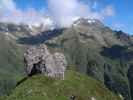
(86, 21)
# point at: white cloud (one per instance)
(10, 13)
(108, 11)
(63, 12)
(118, 26)
(7, 5)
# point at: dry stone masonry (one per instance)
(38, 59)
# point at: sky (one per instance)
(117, 14)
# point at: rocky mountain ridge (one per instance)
(90, 48)
(99, 52)
(25, 28)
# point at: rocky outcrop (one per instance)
(40, 60)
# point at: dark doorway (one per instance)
(36, 69)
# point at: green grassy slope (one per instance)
(43, 88)
(11, 63)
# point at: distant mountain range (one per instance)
(90, 48)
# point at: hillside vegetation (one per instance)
(43, 88)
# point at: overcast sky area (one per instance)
(116, 14)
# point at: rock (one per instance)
(93, 98)
(73, 97)
(122, 98)
(38, 59)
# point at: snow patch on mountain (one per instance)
(86, 21)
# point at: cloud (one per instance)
(64, 11)
(7, 5)
(118, 25)
(10, 13)
(108, 11)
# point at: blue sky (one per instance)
(119, 12)
(123, 15)
(25, 4)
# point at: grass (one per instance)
(43, 88)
